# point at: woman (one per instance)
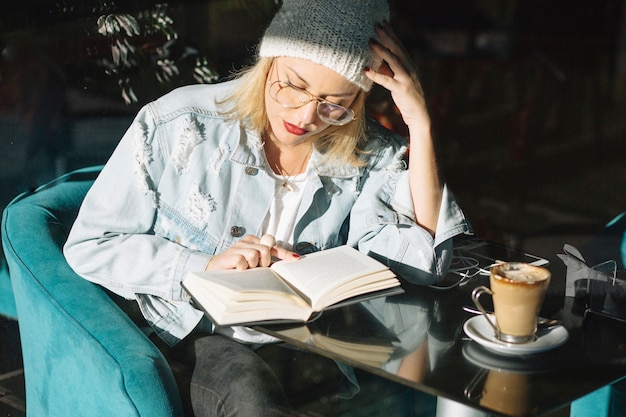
(276, 163)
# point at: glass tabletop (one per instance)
(418, 339)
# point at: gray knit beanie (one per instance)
(333, 33)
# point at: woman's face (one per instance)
(293, 126)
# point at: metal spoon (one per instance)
(542, 322)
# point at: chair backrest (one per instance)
(82, 355)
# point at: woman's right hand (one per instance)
(250, 252)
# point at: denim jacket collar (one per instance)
(250, 152)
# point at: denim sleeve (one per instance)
(382, 223)
(112, 242)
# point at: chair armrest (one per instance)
(82, 354)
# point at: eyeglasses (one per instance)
(292, 97)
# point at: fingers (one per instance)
(399, 76)
(268, 240)
(397, 65)
(278, 252)
(390, 40)
(394, 68)
(248, 252)
(225, 261)
(281, 253)
(251, 252)
(236, 258)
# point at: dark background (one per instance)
(526, 96)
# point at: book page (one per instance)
(371, 283)
(320, 272)
(250, 280)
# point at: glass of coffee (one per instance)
(518, 290)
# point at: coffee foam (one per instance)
(522, 272)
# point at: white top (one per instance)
(281, 218)
(279, 222)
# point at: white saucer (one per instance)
(480, 331)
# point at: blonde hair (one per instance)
(247, 105)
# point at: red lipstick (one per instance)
(293, 129)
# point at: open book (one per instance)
(290, 290)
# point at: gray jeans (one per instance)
(230, 379)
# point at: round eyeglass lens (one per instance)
(333, 113)
(287, 96)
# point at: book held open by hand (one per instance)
(290, 290)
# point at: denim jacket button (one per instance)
(237, 231)
(252, 171)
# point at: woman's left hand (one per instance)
(399, 75)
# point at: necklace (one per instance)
(286, 185)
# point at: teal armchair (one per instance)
(7, 302)
(82, 355)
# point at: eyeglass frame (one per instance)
(311, 98)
